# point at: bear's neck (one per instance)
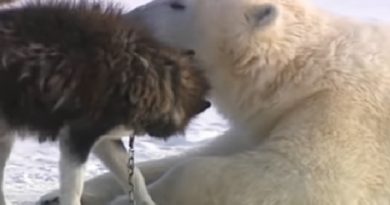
(257, 86)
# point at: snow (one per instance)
(32, 168)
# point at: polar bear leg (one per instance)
(249, 179)
(275, 171)
(105, 187)
(229, 143)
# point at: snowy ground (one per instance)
(32, 169)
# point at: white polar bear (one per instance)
(307, 94)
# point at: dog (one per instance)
(79, 74)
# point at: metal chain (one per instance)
(131, 165)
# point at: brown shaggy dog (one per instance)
(76, 72)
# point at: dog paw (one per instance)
(52, 198)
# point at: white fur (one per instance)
(71, 173)
(95, 191)
(6, 143)
(141, 194)
(112, 153)
(308, 98)
(115, 158)
(71, 178)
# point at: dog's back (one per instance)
(51, 58)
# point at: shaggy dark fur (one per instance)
(77, 65)
(5, 1)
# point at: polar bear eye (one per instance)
(177, 6)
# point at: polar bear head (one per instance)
(246, 47)
(236, 30)
(170, 21)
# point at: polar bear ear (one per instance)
(261, 16)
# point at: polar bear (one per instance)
(307, 95)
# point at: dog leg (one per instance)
(75, 145)
(141, 194)
(114, 156)
(96, 192)
(6, 143)
(71, 174)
